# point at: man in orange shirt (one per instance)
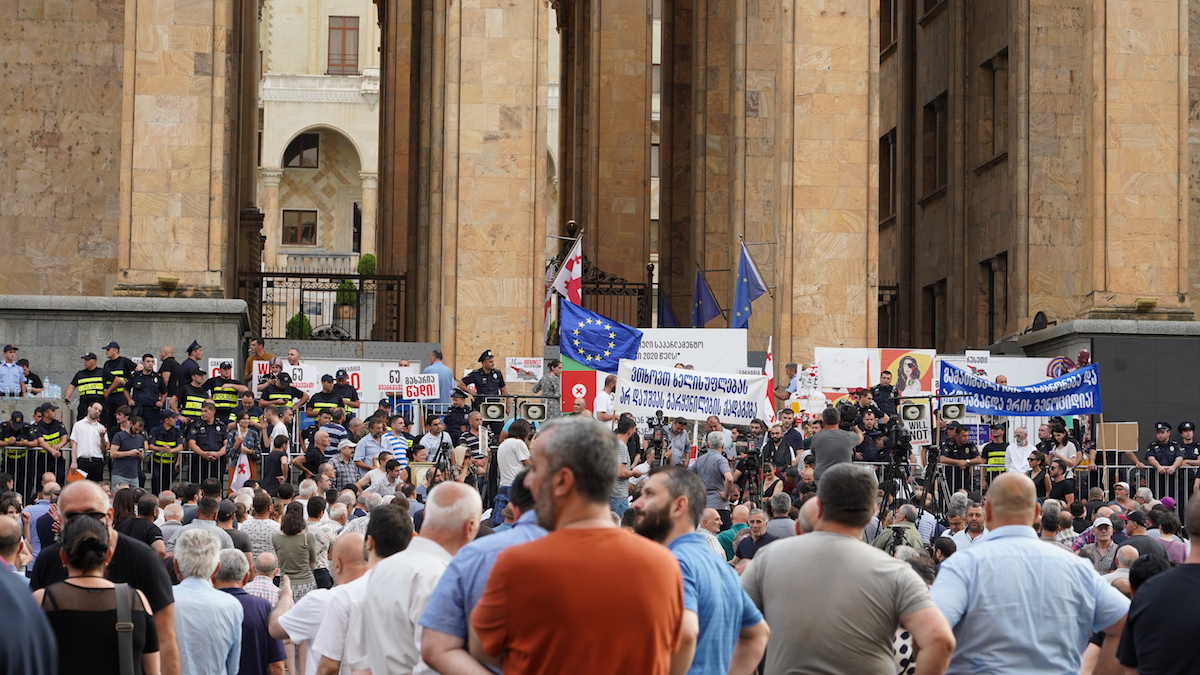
(549, 604)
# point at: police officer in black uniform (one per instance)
(190, 398)
(118, 369)
(191, 364)
(1188, 445)
(864, 403)
(90, 383)
(458, 416)
(19, 454)
(149, 392)
(347, 392)
(166, 442)
(958, 454)
(53, 441)
(224, 391)
(206, 440)
(883, 392)
(1165, 457)
(280, 392)
(487, 382)
(326, 399)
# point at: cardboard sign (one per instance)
(917, 420)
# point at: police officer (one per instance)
(224, 390)
(882, 393)
(486, 380)
(166, 442)
(959, 453)
(18, 440)
(253, 411)
(458, 416)
(149, 392)
(191, 396)
(994, 452)
(865, 404)
(280, 392)
(1164, 455)
(326, 399)
(117, 370)
(347, 392)
(191, 364)
(53, 440)
(206, 439)
(1188, 445)
(90, 383)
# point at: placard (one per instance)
(420, 386)
(390, 381)
(523, 369)
(1076, 393)
(917, 421)
(715, 350)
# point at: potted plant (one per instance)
(366, 264)
(299, 327)
(347, 299)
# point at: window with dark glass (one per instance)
(299, 228)
(302, 152)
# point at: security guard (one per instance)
(347, 392)
(458, 414)
(117, 369)
(959, 454)
(166, 442)
(90, 383)
(53, 441)
(1164, 455)
(994, 451)
(224, 390)
(17, 438)
(149, 392)
(486, 380)
(1188, 445)
(326, 399)
(206, 439)
(280, 392)
(190, 398)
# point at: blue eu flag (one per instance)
(593, 340)
(747, 288)
(704, 304)
(666, 315)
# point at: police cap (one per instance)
(1187, 426)
(487, 354)
(1162, 426)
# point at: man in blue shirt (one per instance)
(445, 377)
(12, 376)
(259, 650)
(208, 623)
(447, 615)
(1005, 623)
(728, 631)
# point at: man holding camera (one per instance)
(834, 444)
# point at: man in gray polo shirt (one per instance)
(713, 469)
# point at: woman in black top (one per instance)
(83, 609)
(1039, 474)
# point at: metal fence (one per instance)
(323, 306)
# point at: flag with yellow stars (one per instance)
(747, 288)
(593, 340)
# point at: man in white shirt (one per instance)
(435, 436)
(603, 405)
(512, 456)
(400, 587)
(974, 530)
(1016, 458)
(391, 481)
(88, 438)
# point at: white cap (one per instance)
(1122, 484)
(345, 442)
(1101, 521)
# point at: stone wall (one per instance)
(59, 159)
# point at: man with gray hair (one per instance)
(263, 584)
(902, 532)
(714, 472)
(401, 585)
(368, 501)
(781, 525)
(851, 628)
(261, 653)
(1119, 578)
(831, 445)
(208, 623)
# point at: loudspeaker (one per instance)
(533, 412)
(492, 411)
(953, 411)
(912, 412)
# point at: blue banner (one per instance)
(1076, 393)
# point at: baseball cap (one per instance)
(1122, 484)
(225, 365)
(167, 412)
(89, 355)
(112, 345)
(17, 418)
(10, 348)
(46, 406)
(341, 375)
(284, 378)
(1137, 517)
(385, 403)
(327, 378)
(1101, 521)
(997, 425)
(344, 443)
(226, 510)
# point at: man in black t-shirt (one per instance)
(169, 369)
(1061, 487)
(33, 381)
(132, 562)
(117, 370)
(142, 528)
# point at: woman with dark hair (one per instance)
(124, 506)
(296, 549)
(245, 440)
(1039, 473)
(1168, 528)
(1062, 447)
(83, 609)
(550, 386)
(909, 381)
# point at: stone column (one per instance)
(370, 199)
(271, 216)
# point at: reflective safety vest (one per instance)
(277, 396)
(322, 401)
(162, 455)
(995, 462)
(191, 400)
(53, 434)
(224, 396)
(9, 434)
(90, 383)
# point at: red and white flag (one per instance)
(241, 472)
(769, 371)
(569, 282)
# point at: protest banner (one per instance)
(390, 380)
(1076, 393)
(523, 368)
(715, 350)
(917, 421)
(643, 390)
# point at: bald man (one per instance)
(132, 562)
(807, 522)
(985, 593)
(740, 519)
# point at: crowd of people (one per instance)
(517, 549)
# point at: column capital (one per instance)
(271, 177)
(370, 180)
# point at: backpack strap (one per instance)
(124, 628)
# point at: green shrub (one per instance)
(298, 327)
(347, 293)
(366, 264)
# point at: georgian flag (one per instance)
(241, 472)
(769, 371)
(569, 282)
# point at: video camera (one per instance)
(657, 438)
(848, 417)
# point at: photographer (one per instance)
(834, 444)
(902, 531)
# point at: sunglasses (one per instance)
(98, 515)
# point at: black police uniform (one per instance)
(89, 389)
(1190, 451)
(282, 394)
(322, 401)
(486, 384)
(121, 367)
(210, 437)
(19, 460)
(224, 396)
(346, 392)
(186, 368)
(959, 477)
(863, 410)
(867, 448)
(1165, 454)
(163, 464)
(52, 433)
(147, 389)
(456, 420)
(882, 395)
(191, 399)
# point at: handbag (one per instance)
(124, 629)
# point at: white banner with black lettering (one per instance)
(644, 389)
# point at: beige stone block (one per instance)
(149, 156)
(190, 180)
(151, 180)
(1143, 41)
(149, 204)
(161, 84)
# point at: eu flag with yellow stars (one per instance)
(593, 340)
(747, 288)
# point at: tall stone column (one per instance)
(271, 216)
(370, 199)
